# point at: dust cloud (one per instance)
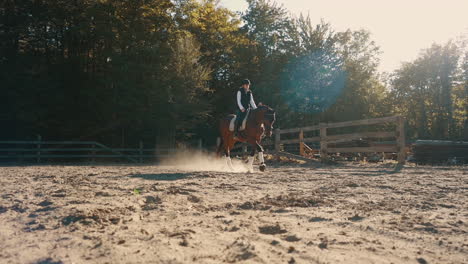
(196, 160)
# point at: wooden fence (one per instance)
(40, 151)
(325, 139)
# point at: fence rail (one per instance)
(325, 140)
(40, 150)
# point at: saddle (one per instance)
(244, 122)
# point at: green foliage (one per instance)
(428, 93)
(186, 85)
(163, 70)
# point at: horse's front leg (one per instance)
(261, 159)
(256, 148)
(227, 154)
(229, 162)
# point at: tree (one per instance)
(364, 93)
(460, 100)
(217, 31)
(423, 91)
(186, 85)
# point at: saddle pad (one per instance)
(242, 127)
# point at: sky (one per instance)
(401, 28)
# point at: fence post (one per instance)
(38, 157)
(301, 143)
(277, 140)
(141, 152)
(323, 142)
(401, 141)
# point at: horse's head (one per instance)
(269, 118)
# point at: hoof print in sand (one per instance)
(179, 190)
(240, 251)
(281, 211)
(352, 185)
(323, 245)
(151, 202)
(68, 220)
(35, 228)
(45, 209)
(253, 206)
(48, 261)
(293, 200)
(355, 218)
(421, 261)
(319, 219)
(45, 203)
(233, 229)
(184, 242)
(183, 235)
(98, 218)
(18, 209)
(103, 194)
(272, 230)
(193, 199)
(292, 238)
(59, 193)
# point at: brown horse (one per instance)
(259, 123)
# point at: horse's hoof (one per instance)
(262, 167)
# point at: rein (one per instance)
(268, 116)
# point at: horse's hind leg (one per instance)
(227, 154)
(220, 146)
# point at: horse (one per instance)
(258, 125)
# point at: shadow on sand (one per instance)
(48, 261)
(162, 176)
(380, 172)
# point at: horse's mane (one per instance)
(266, 107)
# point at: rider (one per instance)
(244, 101)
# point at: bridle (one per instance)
(270, 117)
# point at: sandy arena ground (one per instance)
(347, 213)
